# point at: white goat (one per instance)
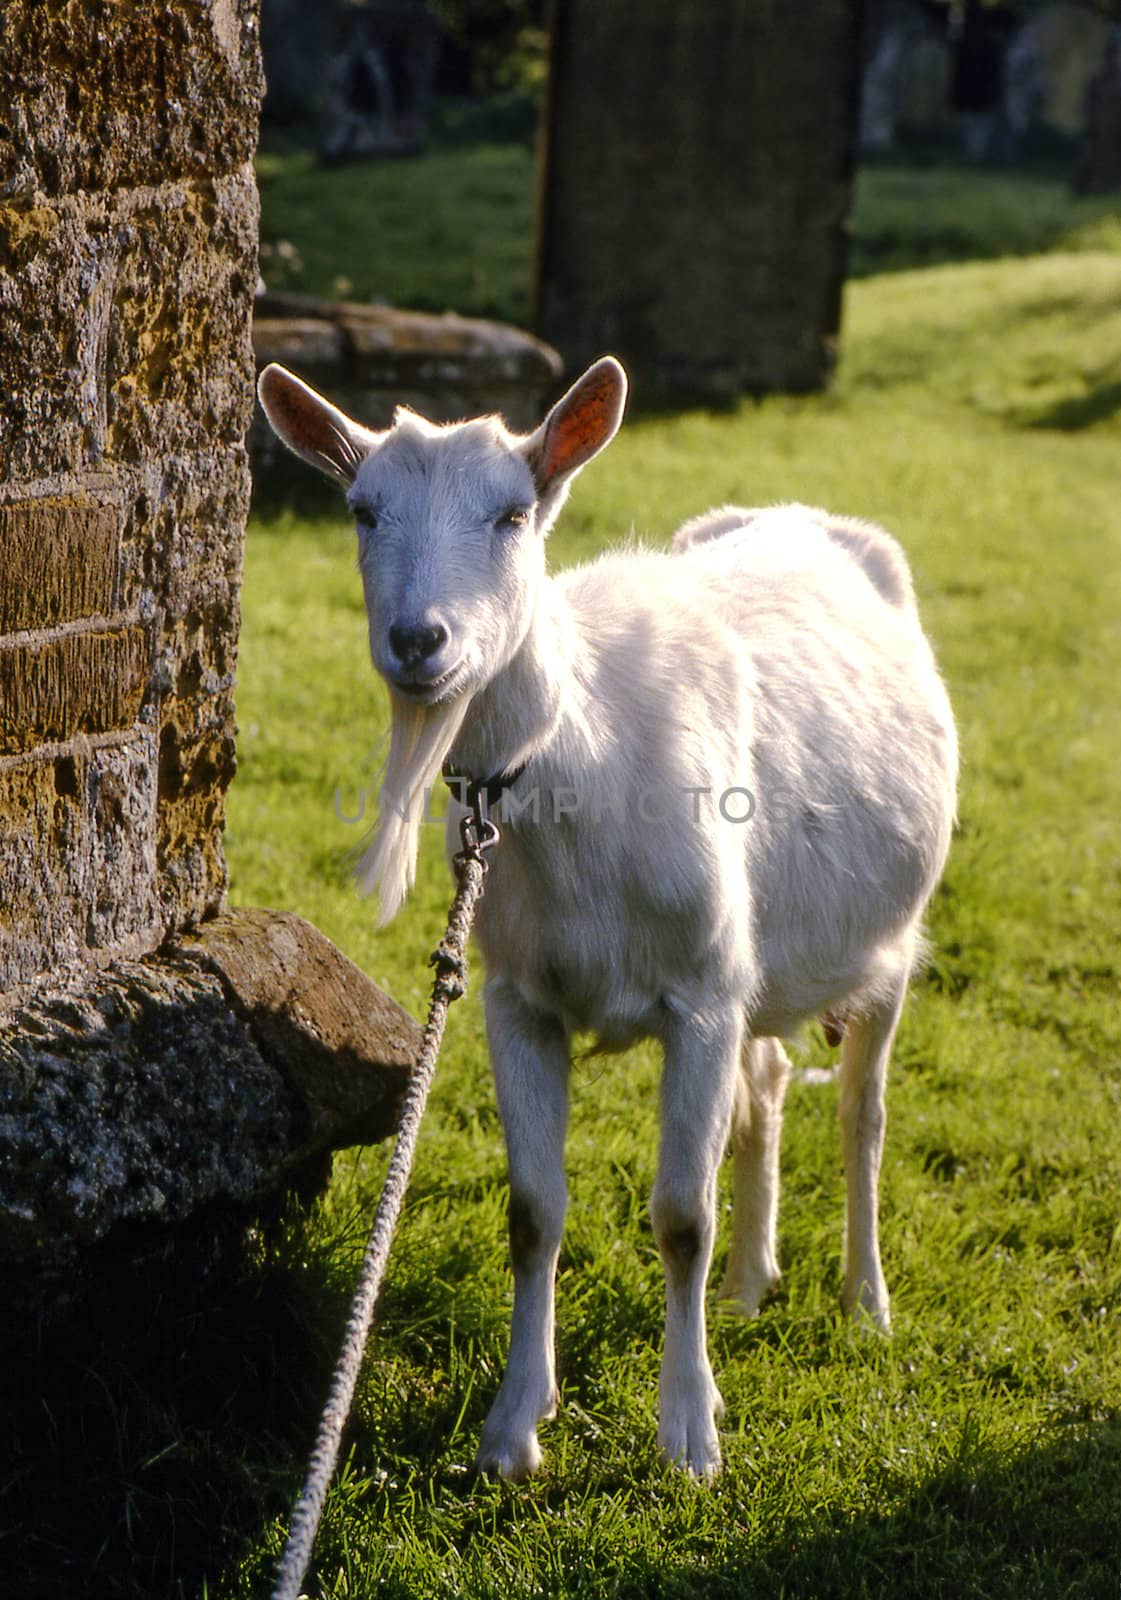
(732, 772)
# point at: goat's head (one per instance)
(451, 521)
(451, 525)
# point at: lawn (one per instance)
(455, 229)
(977, 1453)
(977, 413)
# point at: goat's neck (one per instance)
(519, 712)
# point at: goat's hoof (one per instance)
(742, 1296)
(688, 1439)
(868, 1311)
(512, 1458)
(699, 1456)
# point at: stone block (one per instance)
(78, 683)
(342, 1044)
(125, 321)
(371, 359)
(58, 562)
(77, 856)
(178, 344)
(211, 1072)
(42, 864)
(303, 344)
(195, 769)
(183, 527)
(107, 95)
(121, 902)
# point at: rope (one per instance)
(450, 961)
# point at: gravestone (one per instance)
(1099, 163)
(137, 1080)
(675, 229)
(380, 78)
(908, 63)
(1069, 42)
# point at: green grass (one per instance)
(906, 216)
(454, 228)
(976, 1453)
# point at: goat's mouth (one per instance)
(432, 691)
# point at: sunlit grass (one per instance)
(454, 228)
(977, 1452)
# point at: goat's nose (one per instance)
(414, 644)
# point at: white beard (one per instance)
(419, 741)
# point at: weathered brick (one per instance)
(128, 216)
(179, 357)
(104, 94)
(122, 905)
(77, 855)
(58, 562)
(183, 525)
(42, 865)
(126, 325)
(79, 683)
(194, 773)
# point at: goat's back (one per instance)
(877, 554)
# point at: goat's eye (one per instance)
(513, 518)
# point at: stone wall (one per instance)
(156, 1060)
(128, 219)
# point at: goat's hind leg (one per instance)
(531, 1063)
(752, 1270)
(869, 1032)
(698, 1084)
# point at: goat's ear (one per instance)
(577, 428)
(311, 426)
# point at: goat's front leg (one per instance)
(530, 1057)
(698, 1084)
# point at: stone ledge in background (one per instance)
(369, 359)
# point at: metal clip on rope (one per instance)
(479, 835)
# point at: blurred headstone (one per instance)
(906, 76)
(1023, 90)
(1068, 42)
(380, 79)
(978, 78)
(1099, 165)
(695, 187)
(295, 43)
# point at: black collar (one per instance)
(469, 791)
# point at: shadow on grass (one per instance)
(152, 1427)
(1083, 411)
(1043, 1524)
(150, 1438)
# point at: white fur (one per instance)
(775, 658)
